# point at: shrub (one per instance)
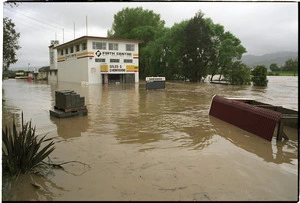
(259, 76)
(237, 74)
(22, 151)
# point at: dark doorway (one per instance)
(113, 78)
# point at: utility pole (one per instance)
(86, 23)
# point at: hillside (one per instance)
(267, 59)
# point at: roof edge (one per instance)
(95, 37)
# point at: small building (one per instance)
(41, 73)
(95, 60)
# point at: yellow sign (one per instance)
(132, 68)
(104, 68)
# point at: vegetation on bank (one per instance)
(290, 68)
(283, 73)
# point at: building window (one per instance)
(114, 60)
(83, 46)
(61, 52)
(129, 47)
(77, 47)
(66, 51)
(127, 60)
(99, 60)
(113, 46)
(71, 49)
(99, 45)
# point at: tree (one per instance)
(226, 49)
(259, 76)
(290, 65)
(173, 43)
(237, 73)
(136, 23)
(274, 67)
(197, 47)
(230, 51)
(10, 43)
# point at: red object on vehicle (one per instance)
(256, 120)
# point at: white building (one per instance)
(95, 60)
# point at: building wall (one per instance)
(52, 75)
(104, 61)
(88, 65)
(73, 70)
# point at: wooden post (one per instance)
(280, 133)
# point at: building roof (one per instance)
(44, 69)
(97, 38)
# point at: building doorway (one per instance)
(121, 78)
(113, 78)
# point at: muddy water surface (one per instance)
(155, 145)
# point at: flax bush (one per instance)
(22, 151)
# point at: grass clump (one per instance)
(22, 151)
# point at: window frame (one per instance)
(128, 61)
(132, 47)
(114, 60)
(100, 60)
(77, 47)
(84, 46)
(99, 45)
(115, 46)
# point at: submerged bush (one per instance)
(259, 76)
(22, 151)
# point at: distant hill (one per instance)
(267, 59)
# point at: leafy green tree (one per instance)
(230, 50)
(237, 73)
(226, 49)
(10, 43)
(197, 47)
(172, 51)
(214, 66)
(290, 65)
(259, 76)
(274, 67)
(137, 23)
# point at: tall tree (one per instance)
(197, 47)
(137, 23)
(230, 50)
(290, 65)
(10, 43)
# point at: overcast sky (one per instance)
(262, 27)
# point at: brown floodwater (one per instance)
(155, 144)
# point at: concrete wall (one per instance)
(52, 76)
(73, 70)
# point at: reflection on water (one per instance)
(129, 129)
(277, 152)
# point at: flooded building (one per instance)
(95, 60)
